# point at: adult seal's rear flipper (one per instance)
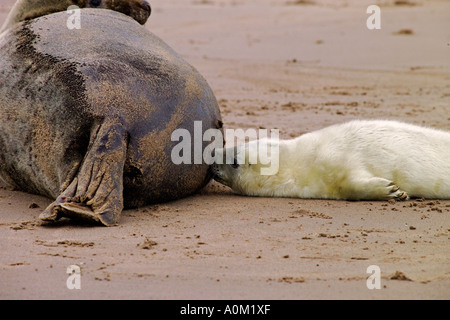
(96, 193)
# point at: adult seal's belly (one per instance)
(86, 115)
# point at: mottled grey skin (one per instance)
(86, 116)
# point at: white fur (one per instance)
(358, 160)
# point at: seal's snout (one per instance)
(216, 174)
(213, 171)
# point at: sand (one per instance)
(292, 65)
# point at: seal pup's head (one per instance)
(249, 169)
(24, 10)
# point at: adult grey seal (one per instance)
(86, 115)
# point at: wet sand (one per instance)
(295, 66)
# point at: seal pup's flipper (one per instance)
(366, 187)
(96, 193)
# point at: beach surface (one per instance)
(295, 66)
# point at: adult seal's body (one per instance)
(86, 115)
(358, 160)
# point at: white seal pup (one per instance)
(357, 160)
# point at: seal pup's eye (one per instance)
(95, 3)
(235, 164)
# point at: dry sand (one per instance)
(292, 65)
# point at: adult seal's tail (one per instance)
(30, 9)
(86, 116)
